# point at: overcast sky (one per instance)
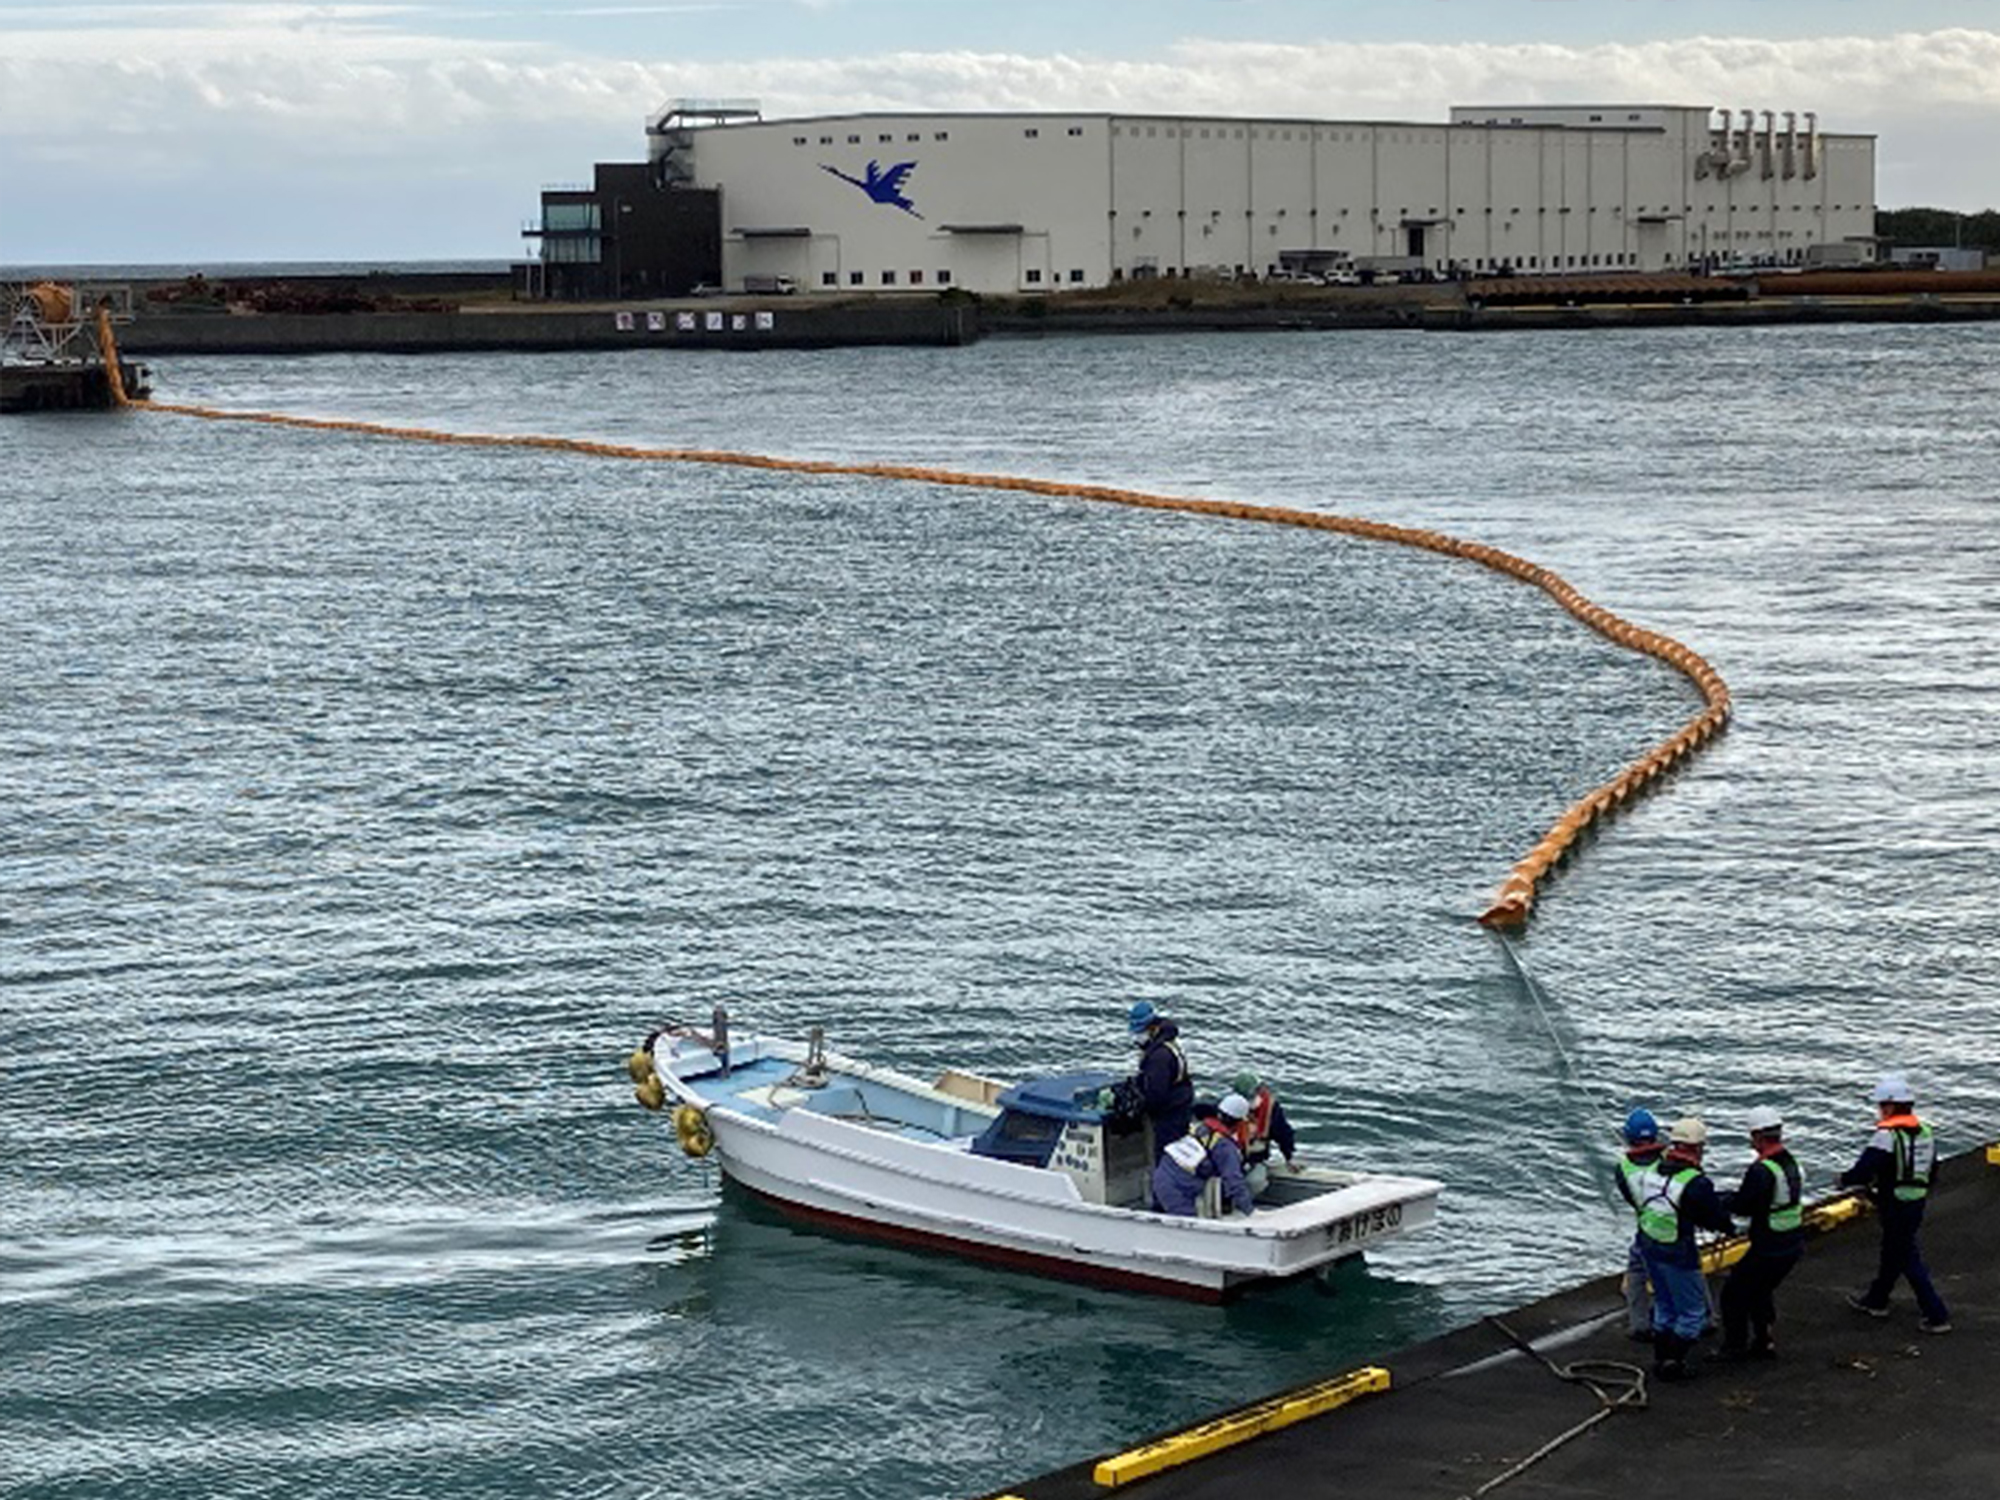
(242, 132)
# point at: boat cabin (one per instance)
(1061, 1123)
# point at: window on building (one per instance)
(571, 216)
(829, 278)
(854, 278)
(1034, 277)
(888, 278)
(1031, 133)
(916, 278)
(1076, 130)
(913, 136)
(886, 137)
(944, 278)
(826, 140)
(854, 140)
(1597, 119)
(942, 135)
(1076, 274)
(798, 140)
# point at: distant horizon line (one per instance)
(15, 270)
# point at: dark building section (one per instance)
(627, 235)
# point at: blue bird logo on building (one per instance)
(883, 187)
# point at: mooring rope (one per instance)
(1617, 1384)
(1515, 898)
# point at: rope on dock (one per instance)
(1515, 899)
(1617, 1384)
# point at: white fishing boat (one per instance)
(1037, 1175)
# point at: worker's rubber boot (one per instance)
(1670, 1357)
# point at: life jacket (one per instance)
(1254, 1134)
(1191, 1150)
(1660, 1205)
(1787, 1212)
(1914, 1154)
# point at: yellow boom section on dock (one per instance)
(1240, 1426)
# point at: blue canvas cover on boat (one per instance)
(1033, 1113)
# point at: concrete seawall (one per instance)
(806, 322)
(723, 324)
(1855, 1407)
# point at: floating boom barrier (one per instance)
(1512, 903)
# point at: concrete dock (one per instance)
(1854, 1405)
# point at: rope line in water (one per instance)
(1514, 900)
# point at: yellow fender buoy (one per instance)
(652, 1093)
(640, 1065)
(691, 1125)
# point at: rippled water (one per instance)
(361, 804)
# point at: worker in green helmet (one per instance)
(1262, 1128)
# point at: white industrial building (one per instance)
(1044, 202)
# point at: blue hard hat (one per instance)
(1141, 1015)
(1641, 1127)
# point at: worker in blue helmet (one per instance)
(1164, 1081)
(1641, 1134)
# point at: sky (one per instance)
(227, 132)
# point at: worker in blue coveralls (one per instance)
(1164, 1081)
(1676, 1199)
(1643, 1148)
(1771, 1199)
(1896, 1167)
(1208, 1150)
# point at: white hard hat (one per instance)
(1893, 1089)
(1764, 1118)
(1688, 1132)
(1234, 1106)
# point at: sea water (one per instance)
(363, 803)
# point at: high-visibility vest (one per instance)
(1787, 1212)
(1660, 1208)
(1631, 1172)
(1915, 1155)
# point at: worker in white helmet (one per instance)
(1896, 1167)
(1772, 1199)
(1676, 1199)
(1208, 1150)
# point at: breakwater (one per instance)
(720, 324)
(444, 322)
